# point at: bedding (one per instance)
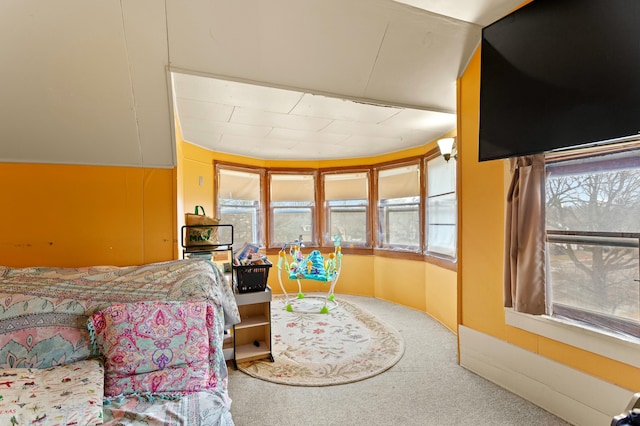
(201, 408)
(44, 311)
(64, 395)
(44, 314)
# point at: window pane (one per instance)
(290, 224)
(442, 209)
(442, 217)
(399, 208)
(292, 208)
(348, 222)
(346, 204)
(592, 204)
(601, 279)
(400, 223)
(442, 239)
(595, 194)
(239, 204)
(244, 221)
(441, 176)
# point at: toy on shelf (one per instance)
(315, 266)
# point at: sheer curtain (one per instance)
(525, 266)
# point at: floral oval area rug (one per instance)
(312, 349)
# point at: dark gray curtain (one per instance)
(525, 266)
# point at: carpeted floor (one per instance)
(426, 387)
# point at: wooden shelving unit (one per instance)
(252, 336)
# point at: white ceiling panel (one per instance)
(97, 82)
(234, 93)
(341, 109)
(204, 110)
(305, 138)
(285, 121)
(328, 46)
(64, 103)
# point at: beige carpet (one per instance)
(427, 387)
(346, 345)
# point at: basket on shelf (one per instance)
(252, 277)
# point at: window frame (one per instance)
(326, 238)
(379, 242)
(441, 257)
(262, 218)
(598, 322)
(315, 228)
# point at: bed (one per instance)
(56, 317)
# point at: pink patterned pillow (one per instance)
(156, 347)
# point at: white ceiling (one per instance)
(91, 82)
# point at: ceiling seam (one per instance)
(133, 95)
(375, 62)
(341, 96)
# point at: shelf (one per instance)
(255, 297)
(250, 351)
(252, 322)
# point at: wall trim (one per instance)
(597, 342)
(572, 395)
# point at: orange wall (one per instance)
(64, 215)
(481, 203)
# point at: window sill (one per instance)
(607, 345)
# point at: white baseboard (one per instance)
(572, 395)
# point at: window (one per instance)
(399, 208)
(292, 208)
(346, 208)
(593, 230)
(442, 209)
(239, 204)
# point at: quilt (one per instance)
(44, 310)
(64, 395)
(204, 408)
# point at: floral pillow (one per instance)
(156, 347)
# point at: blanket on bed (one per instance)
(44, 311)
(64, 395)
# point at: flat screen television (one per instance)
(557, 74)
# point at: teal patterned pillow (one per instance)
(156, 347)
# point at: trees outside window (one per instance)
(593, 227)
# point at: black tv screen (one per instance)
(557, 74)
